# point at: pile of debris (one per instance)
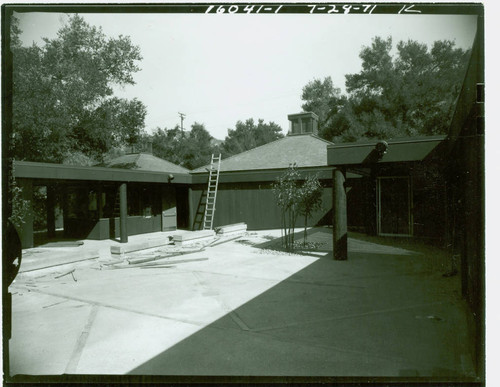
(178, 245)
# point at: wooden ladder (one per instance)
(213, 182)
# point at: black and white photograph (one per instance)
(243, 193)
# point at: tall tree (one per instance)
(322, 98)
(63, 99)
(247, 135)
(167, 144)
(191, 149)
(410, 93)
(198, 148)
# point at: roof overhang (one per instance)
(48, 171)
(380, 152)
(266, 175)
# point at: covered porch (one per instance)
(401, 190)
(71, 202)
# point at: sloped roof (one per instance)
(144, 162)
(306, 150)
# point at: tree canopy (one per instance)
(63, 103)
(409, 93)
(191, 149)
(248, 135)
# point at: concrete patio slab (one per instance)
(249, 310)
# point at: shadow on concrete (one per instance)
(42, 239)
(373, 316)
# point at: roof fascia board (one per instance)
(361, 152)
(260, 175)
(33, 170)
(390, 142)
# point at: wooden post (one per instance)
(339, 206)
(190, 209)
(123, 213)
(100, 209)
(51, 218)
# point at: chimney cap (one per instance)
(303, 114)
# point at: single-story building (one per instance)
(245, 191)
(398, 190)
(133, 194)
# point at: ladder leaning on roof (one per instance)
(213, 182)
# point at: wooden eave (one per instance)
(48, 171)
(398, 151)
(265, 175)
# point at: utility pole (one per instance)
(182, 120)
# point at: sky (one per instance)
(218, 69)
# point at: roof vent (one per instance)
(303, 123)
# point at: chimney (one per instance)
(149, 147)
(303, 123)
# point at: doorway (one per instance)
(394, 204)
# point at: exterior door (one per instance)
(169, 209)
(394, 203)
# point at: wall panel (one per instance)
(252, 203)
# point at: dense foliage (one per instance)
(248, 135)
(410, 93)
(191, 149)
(63, 103)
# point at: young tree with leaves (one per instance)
(309, 199)
(287, 194)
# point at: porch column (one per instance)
(339, 207)
(100, 209)
(123, 213)
(51, 218)
(190, 208)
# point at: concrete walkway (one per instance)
(246, 310)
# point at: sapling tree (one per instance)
(309, 199)
(287, 193)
